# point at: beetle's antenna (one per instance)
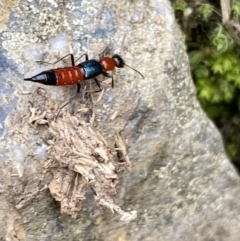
(134, 70)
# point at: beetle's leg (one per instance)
(86, 57)
(99, 85)
(109, 76)
(72, 60)
(78, 88)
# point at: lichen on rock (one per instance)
(80, 159)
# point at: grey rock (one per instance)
(182, 184)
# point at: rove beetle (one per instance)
(89, 69)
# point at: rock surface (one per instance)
(181, 183)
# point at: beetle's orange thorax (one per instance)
(107, 63)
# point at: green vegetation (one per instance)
(215, 63)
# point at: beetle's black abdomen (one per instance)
(46, 78)
(92, 68)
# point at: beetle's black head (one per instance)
(118, 60)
